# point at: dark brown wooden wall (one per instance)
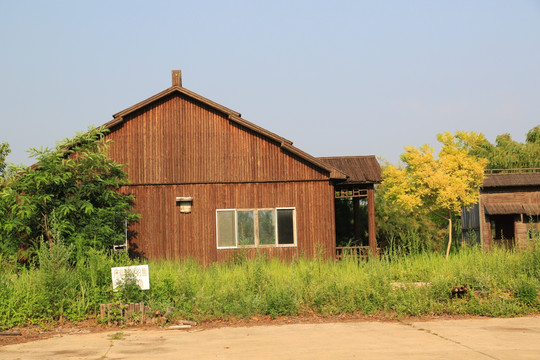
(180, 147)
(180, 140)
(164, 232)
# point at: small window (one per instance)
(184, 203)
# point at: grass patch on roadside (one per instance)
(499, 283)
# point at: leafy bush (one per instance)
(72, 190)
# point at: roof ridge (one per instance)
(346, 156)
(171, 90)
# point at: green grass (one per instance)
(499, 282)
(119, 335)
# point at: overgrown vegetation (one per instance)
(498, 283)
(400, 226)
(437, 186)
(71, 192)
(60, 217)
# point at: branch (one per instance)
(430, 210)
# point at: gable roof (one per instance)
(512, 208)
(233, 116)
(119, 116)
(508, 180)
(359, 169)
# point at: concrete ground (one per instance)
(516, 338)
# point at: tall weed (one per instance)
(498, 283)
(55, 278)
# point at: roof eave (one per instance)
(367, 180)
(243, 122)
(333, 173)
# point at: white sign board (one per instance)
(139, 273)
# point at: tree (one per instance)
(440, 186)
(4, 152)
(507, 153)
(403, 231)
(70, 193)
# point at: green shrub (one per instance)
(56, 278)
(526, 291)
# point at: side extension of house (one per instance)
(508, 210)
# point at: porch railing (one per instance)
(511, 171)
(358, 252)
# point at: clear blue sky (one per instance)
(335, 77)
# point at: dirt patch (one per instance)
(34, 332)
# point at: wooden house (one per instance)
(508, 209)
(210, 184)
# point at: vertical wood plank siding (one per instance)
(178, 140)
(164, 232)
(177, 146)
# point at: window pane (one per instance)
(226, 229)
(246, 227)
(267, 227)
(285, 218)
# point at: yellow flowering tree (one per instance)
(440, 185)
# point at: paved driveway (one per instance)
(517, 338)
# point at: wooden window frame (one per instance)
(256, 244)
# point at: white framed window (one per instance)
(271, 227)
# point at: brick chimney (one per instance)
(177, 78)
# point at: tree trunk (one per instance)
(449, 236)
(46, 228)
